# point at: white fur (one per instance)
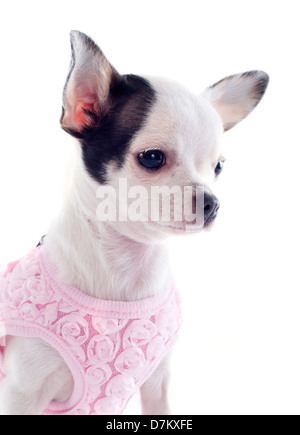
(105, 260)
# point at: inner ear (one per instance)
(87, 87)
(83, 113)
(234, 97)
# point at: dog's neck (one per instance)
(97, 259)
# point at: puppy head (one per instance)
(152, 141)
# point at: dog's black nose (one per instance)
(211, 207)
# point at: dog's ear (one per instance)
(236, 96)
(87, 87)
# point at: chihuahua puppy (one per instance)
(91, 314)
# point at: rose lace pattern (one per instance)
(110, 347)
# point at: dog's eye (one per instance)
(152, 159)
(219, 168)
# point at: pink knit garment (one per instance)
(111, 347)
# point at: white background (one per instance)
(239, 351)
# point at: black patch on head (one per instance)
(130, 100)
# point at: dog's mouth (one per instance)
(181, 227)
(209, 223)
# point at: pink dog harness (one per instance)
(111, 347)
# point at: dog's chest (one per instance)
(110, 347)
